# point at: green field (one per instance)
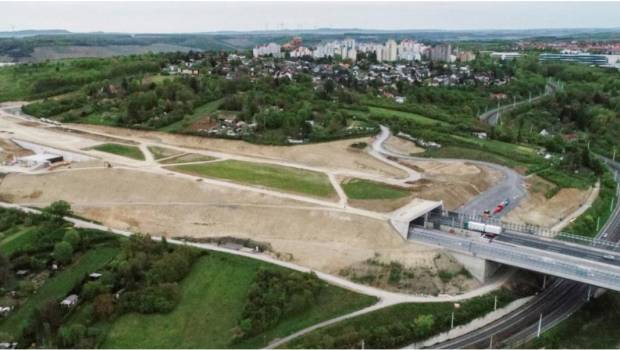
(58, 286)
(187, 158)
(399, 325)
(272, 176)
(212, 299)
(121, 150)
(364, 189)
(198, 113)
(391, 113)
(20, 237)
(32, 81)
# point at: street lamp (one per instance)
(456, 306)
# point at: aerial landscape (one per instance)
(309, 175)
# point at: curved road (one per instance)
(511, 186)
(556, 303)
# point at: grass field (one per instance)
(391, 327)
(272, 176)
(162, 152)
(121, 150)
(468, 153)
(364, 189)
(387, 112)
(21, 237)
(58, 286)
(187, 158)
(594, 326)
(199, 112)
(212, 299)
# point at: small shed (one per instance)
(70, 301)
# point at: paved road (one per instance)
(560, 300)
(511, 186)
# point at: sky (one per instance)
(191, 17)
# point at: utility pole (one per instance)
(363, 344)
(495, 304)
(539, 326)
(452, 321)
(491, 343)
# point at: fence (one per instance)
(459, 220)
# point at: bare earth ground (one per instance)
(9, 150)
(420, 279)
(324, 239)
(403, 146)
(454, 182)
(538, 210)
(381, 205)
(334, 155)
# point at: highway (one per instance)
(556, 303)
(543, 260)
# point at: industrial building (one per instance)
(571, 56)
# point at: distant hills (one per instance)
(35, 45)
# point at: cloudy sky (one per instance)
(166, 17)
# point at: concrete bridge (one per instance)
(482, 256)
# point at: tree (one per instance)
(104, 306)
(63, 252)
(72, 237)
(5, 270)
(69, 337)
(424, 325)
(57, 210)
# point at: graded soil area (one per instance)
(537, 209)
(453, 182)
(330, 155)
(322, 238)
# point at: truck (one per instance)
(486, 230)
(501, 206)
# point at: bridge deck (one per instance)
(582, 269)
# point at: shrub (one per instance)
(152, 299)
(63, 252)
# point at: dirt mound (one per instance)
(537, 209)
(453, 182)
(9, 150)
(402, 146)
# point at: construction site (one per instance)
(168, 185)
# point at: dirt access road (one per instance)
(143, 196)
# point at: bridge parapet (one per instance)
(590, 272)
(459, 220)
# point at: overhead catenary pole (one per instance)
(452, 321)
(495, 304)
(539, 326)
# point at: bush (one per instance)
(152, 299)
(63, 252)
(276, 294)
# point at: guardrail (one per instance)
(459, 220)
(602, 275)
